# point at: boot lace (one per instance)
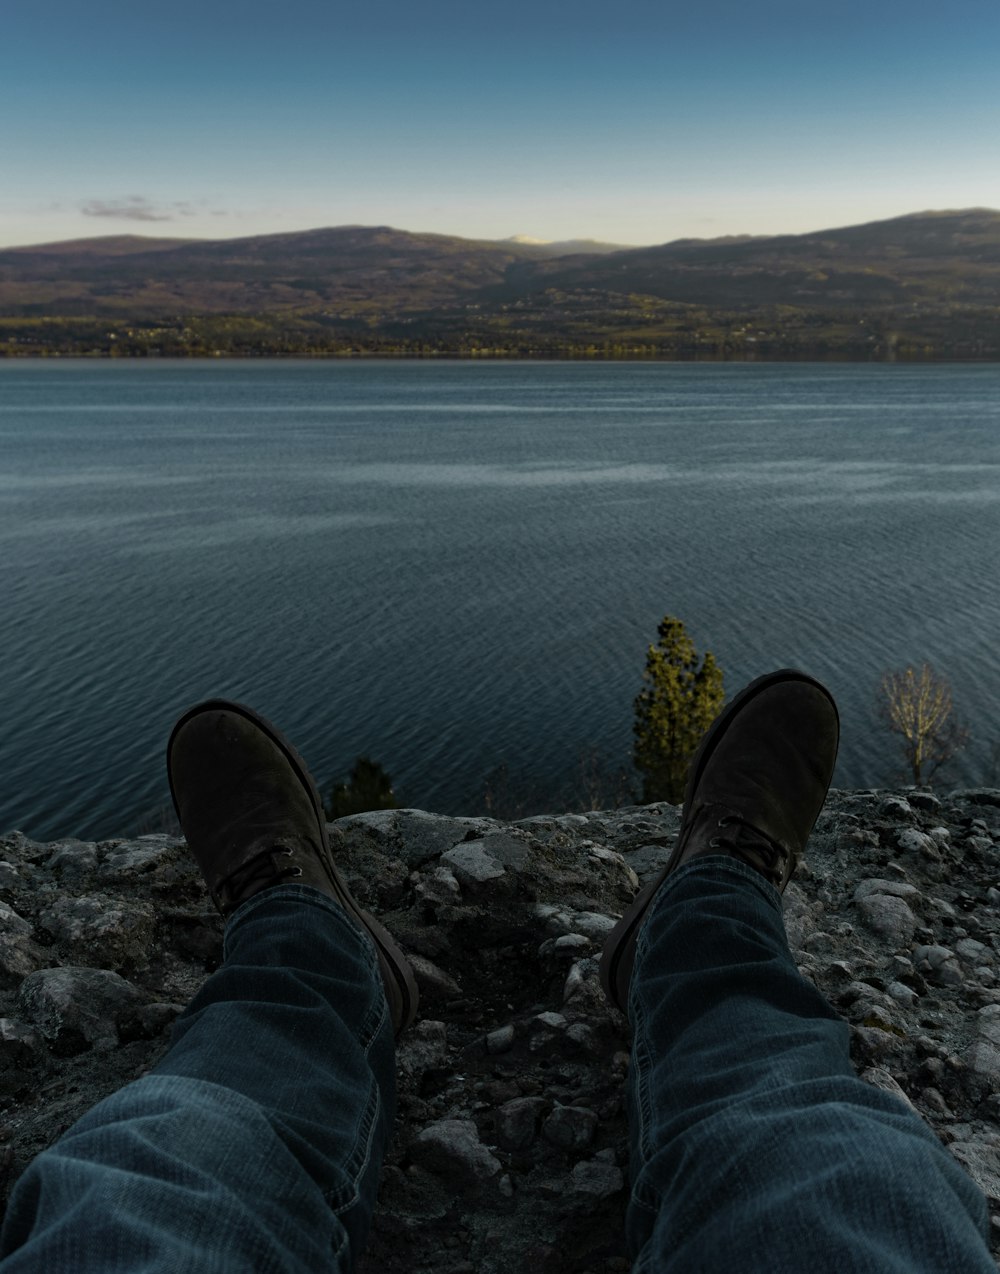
(756, 849)
(265, 868)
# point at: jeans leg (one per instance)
(754, 1144)
(255, 1144)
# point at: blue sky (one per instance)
(635, 123)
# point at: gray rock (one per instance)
(75, 1008)
(880, 1078)
(569, 942)
(582, 988)
(424, 1047)
(912, 841)
(925, 801)
(10, 877)
(897, 808)
(973, 952)
(982, 1163)
(500, 1040)
(983, 1057)
(19, 954)
(473, 866)
(99, 931)
(432, 981)
(20, 1044)
(72, 858)
(592, 924)
(517, 1122)
(452, 1149)
(939, 963)
(896, 888)
(11, 924)
(889, 917)
(978, 795)
(570, 1127)
(596, 1180)
(126, 859)
(511, 848)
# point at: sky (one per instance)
(636, 122)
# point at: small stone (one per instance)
(20, 1045)
(592, 924)
(439, 887)
(875, 885)
(517, 1121)
(895, 807)
(11, 923)
(500, 1040)
(889, 917)
(552, 1021)
(433, 982)
(938, 963)
(10, 877)
(982, 1163)
(72, 858)
(914, 842)
(580, 973)
(596, 1180)
(474, 868)
(879, 1078)
(76, 1008)
(19, 956)
(451, 1148)
(570, 942)
(570, 1127)
(139, 856)
(101, 931)
(924, 801)
(424, 1047)
(583, 1037)
(973, 952)
(902, 994)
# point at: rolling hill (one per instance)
(923, 285)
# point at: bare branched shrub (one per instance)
(916, 704)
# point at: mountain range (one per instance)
(922, 285)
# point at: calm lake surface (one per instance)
(453, 565)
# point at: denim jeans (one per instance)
(254, 1146)
(755, 1146)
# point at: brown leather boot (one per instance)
(252, 817)
(757, 784)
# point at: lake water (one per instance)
(454, 565)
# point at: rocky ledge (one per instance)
(510, 1149)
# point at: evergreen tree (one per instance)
(367, 788)
(678, 703)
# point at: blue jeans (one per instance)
(256, 1142)
(755, 1146)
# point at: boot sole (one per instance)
(619, 950)
(391, 959)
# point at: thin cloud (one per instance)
(138, 208)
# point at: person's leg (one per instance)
(255, 1144)
(754, 1144)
